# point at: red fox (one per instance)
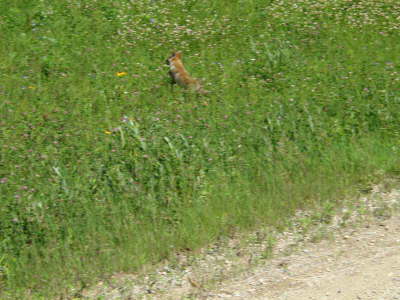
(180, 76)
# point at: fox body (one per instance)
(180, 76)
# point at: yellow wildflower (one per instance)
(107, 132)
(121, 74)
(31, 87)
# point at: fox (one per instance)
(180, 76)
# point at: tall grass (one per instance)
(104, 168)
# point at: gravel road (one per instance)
(358, 264)
(355, 256)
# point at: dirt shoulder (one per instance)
(358, 264)
(356, 255)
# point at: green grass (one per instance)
(102, 173)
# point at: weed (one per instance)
(104, 170)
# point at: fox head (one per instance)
(174, 56)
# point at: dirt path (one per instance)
(359, 264)
(354, 256)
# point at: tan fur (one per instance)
(180, 76)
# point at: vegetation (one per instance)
(105, 168)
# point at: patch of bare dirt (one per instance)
(362, 263)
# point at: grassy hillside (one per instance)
(104, 168)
